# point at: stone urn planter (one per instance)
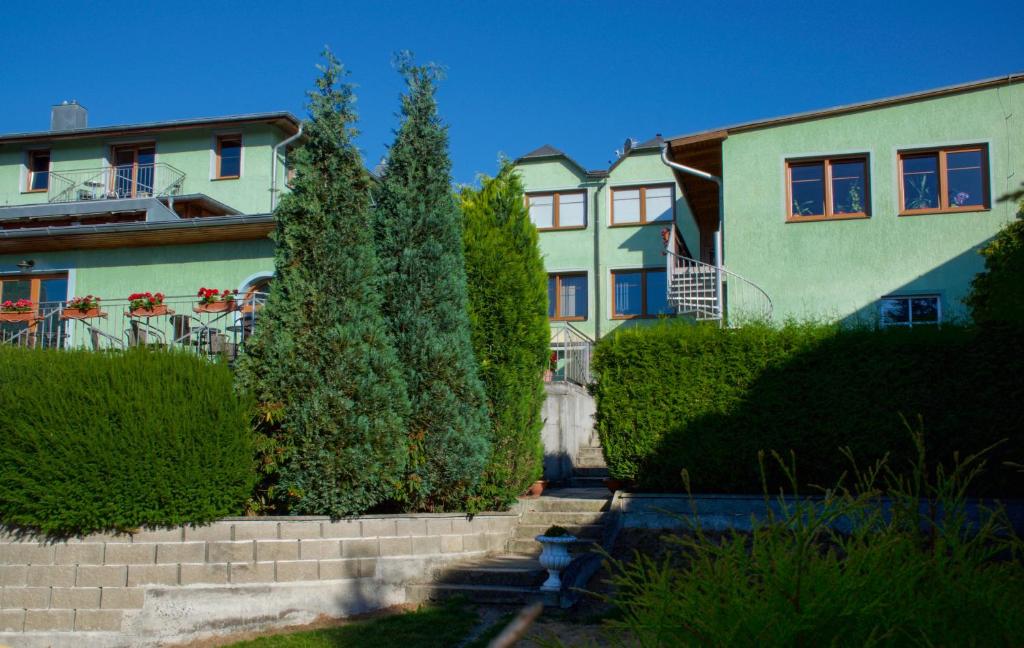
(555, 556)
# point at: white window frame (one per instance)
(910, 310)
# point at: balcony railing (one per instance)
(112, 182)
(208, 334)
(572, 350)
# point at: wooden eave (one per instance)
(98, 240)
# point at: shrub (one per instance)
(676, 396)
(898, 574)
(508, 314)
(114, 441)
(997, 294)
(321, 362)
(419, 244)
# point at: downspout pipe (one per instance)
(273, 162)
(682, 168)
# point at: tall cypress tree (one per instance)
(419, 244)
(321, 354)
(508, 309)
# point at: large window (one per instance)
(827, 189)
(944, 180)
(229, 157)
(642, 205)
(639, 293)
(38, 171)
(47, 293)
(558, 210)
(134, 170)
(567, 296)
(910, 310)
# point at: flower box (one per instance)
(216, 307)
(153, 311)
(79, 314)
(11, 316)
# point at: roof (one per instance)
(721, 133)
(547, 151)
(284, 120)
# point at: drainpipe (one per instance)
(273, 170)
(682, 168)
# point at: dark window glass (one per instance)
(808, 189)
(573, 296)
(628, 293)
(849, 187)
(924, 310)
(39, 168)
(965, 185)
(895, 311)
(657, 293)
(921, 181)
(230, 157)
(551, 296)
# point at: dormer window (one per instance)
(38, 171)
(229, 157)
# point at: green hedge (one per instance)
(675, 396)
(115, 441)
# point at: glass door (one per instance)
(134, 170)
(47, 294)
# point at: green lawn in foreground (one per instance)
(427, 627)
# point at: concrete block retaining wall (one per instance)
(164, 586)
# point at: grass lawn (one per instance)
(440, 626)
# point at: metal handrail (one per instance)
(573, 349)
(743, 299)
(111, 182)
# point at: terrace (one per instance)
(216, 329)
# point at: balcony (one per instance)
(113, 182)
(185, 326)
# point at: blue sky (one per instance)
(580, 76)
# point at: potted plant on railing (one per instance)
(212, 300)
(554, 555)
(147, 305)
(81, 308)
(22, 310)
(549, 373)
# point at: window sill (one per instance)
(562, 229)
(663, 223)
(640, 317)
(567, 319)
(819, 219)
(959, 210)
(32, 191)
(237, 177)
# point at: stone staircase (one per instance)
(589, 469)
(515, 577)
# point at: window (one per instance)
(38, 171)
(567, 296)
(642, 205)
(47, 293)
(229, 156)
(639, 293)
(559, 210)
(134, 170)
(910, 310)
(827, 189)
(944, 180)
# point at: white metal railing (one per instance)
(572, 350)
(711, 292)
(113, 182)
(181, 327)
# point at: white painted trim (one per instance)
(253, 278)
(911, 294)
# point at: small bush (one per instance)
(896, 577)
(97, 442)
(677, 396)
(997, 294)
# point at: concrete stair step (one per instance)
(588, 481)
(557, 505)
(530, 547)
(493, 594)
(588, 531)
(590, 471)
(590, 454)
(562, 518)
(507, 571)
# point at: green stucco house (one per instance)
(872, 212)
(165, 207)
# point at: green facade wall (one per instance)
(601, 248)
(191, 151)
(839, 269)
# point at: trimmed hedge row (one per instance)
(95, 442)
(675, 396)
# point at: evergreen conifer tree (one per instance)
(321, 354)
(508, 309)
(419, 244)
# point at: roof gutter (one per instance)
(107, 228)
(273, 161)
